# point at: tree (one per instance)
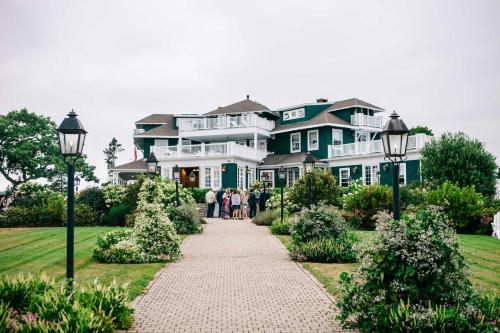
(29, 149)
(421, 129)
(110, 153)
(460, 160)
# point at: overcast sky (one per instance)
(435, 62)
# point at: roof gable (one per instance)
(352, 102)
(155, 118)
(246, 105)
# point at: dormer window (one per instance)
(294, 114)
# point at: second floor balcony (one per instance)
(240, 126)
(208, 150)
(373, 147)
(360, 119)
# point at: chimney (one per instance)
(248, 96)
(321, 100)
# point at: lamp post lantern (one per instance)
(282, 176)
(71, 140)
(177, 176)
(152, 164)
(395, 140)
(309, 163)
(192, 178)
(77, 183)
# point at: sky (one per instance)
(114, 62)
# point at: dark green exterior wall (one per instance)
(230, 176)
(310, 112)
(412, 172)
(354, 175)
(148, 142)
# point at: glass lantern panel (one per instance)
(81, 143)
(309, 167)
(385, 142)
(69, 143)
(151, 167)
(404, 142)
(395, 144)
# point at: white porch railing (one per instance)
(223, 122)
(372, 147)
(360, 119)
(230, 148)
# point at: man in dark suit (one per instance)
(218, 197)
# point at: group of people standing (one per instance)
(235, 204)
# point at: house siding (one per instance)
(412, 172)
(230, 176)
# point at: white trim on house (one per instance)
(358, 106)
(348, 176)
(309, 140)
(314, 126)
(155, 136)
(291, 142)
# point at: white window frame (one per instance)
(294, 114)
(161, 142)
(216, 177)
(292, 176)
(251, 176)
(402, 173)
(241, 178)
(207, 176)
(291, 142)
(337, 130)
(272, 176)
(309, 147)
(374, 175)
(348, 176)
(213, 175)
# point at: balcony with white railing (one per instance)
(241, 126)
(360, 119)
(207, 150)
(373, 147)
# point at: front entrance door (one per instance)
(185, 179)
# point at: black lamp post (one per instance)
(395, 140)
(282, 176)
(77, 183)
(151, 164)
(71, 141)
(177, 176)
(309, 163)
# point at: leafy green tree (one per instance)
(29, 149)
(421, 129)
(325, 190)
(110, 153)
(459, 159)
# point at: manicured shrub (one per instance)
(412, 197)
(325, 190)
(18, 217)
(114, 194)
(366, 201)
(186, 219)
(198, 194)
(92, 197)
(463, 205)
(116, 215)
(36, 304)
(85, 216)
(321, 234)
(413, 272)
(280, 228)
(167, 186)
(266, 218)
(153, 237)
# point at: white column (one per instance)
(179, 146)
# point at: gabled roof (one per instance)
(276, 160)
(135, 165)
(155, 119)
(352, 102)
(246, 105)
(162, 130)
(322, 118)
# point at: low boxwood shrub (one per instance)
(321, 234)
(280, 228)
(18, 217)
(266, 218)
(366, 201)
(186, 219)
(414, 278)
(198, 194)
(463, 205)
(37, 304)
(85, 216)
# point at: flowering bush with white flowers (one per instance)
(413, 279)
(153, 237)
(114, 194)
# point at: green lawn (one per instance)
(482, 254)
(39, 250)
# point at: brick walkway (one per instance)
(235, 277)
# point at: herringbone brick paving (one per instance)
(235, 277)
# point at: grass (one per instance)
(38, 250)
(482, 254)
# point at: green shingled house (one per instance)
(235, 145)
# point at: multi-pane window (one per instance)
(251, 176)
(295, 142)
(208, 177)
(294, 114)
(312, 140)
(216, 176)
(293, 176)
(337, 137)
(372, 175)
(344, 177)
(267, 177)
(241, 177)
(402, 173)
